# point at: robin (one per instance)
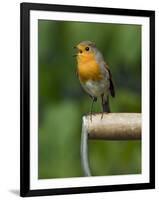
(94, 74)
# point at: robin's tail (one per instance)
(105, 105)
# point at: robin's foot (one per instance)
(90, 114)
(91, 117)
(102, 115)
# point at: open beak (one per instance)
(74, 55)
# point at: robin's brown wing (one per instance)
(112, 90)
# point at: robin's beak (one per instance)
(74, 55)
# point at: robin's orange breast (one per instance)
(89, 70)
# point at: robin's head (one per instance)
(86, 50)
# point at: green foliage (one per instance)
(62, 102)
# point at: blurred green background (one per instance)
(62, 102)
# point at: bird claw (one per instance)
(90, 116)
(102, 116)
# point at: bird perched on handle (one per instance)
(94, 74)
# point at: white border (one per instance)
(86, 181)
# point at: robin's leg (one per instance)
(105, 105)
(102, 96)
(94, 99)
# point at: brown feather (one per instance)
(111, 88)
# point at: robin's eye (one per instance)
(87, 48)
(80, 51)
